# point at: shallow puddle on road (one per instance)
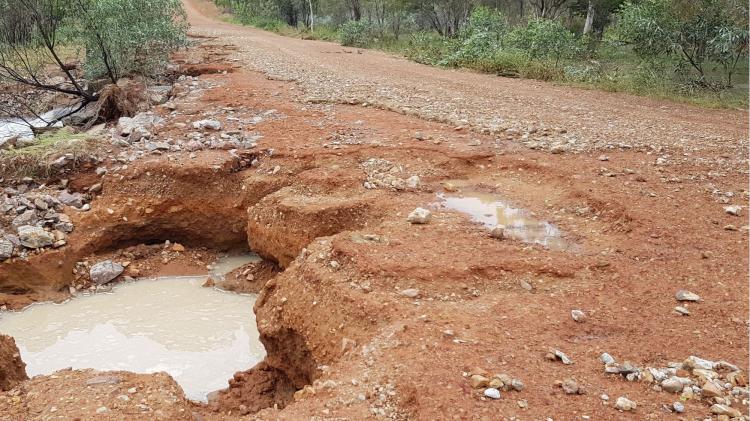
(200, 336)
(490, 210)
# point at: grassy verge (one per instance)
(612, 69)
(36, 160)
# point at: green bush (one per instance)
(355, 34)
(264, 22)
(481, 39)
(129, 37)
(427, 48)
(544, 39)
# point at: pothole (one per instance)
(200, 336)
(490, 210)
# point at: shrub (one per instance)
(355, 34)
(481, 38)
(428, 48)
(130, 37)
(545, 39)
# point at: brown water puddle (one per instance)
(489, 210)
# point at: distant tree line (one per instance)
(675, 47)
(446, 17)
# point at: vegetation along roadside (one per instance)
(691, 51)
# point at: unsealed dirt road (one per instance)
(588, 118)
(370, 316)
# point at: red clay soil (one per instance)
(335, 324)
(12, 369)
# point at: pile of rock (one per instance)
(34, 219)
(130, 130)
(382, 173)
(492, 385)
(136, 133)
(719, 384)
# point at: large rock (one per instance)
(26, 218)
(70, 199)
(207, 124)
(142, 122)
(419, 216)
(159, 94)
(34, 237)
(6, 249)
(82, 116)
(12, 368)
(625, 404)
(105, 271)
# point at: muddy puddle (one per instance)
(230, 262)
(200, 336)
(490, 210)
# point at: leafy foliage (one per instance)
(700, 32)
(546, 39)
(481, 39)
(355, 34)
(129, 37)
(640, 46)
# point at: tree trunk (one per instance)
(589, 18)
(312, 17)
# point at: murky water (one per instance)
(23, 127)
(490, 211)
(230, 262)
(200, 336)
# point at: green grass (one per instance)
(614, 69)
(36, 159)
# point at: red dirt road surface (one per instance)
(371, 316)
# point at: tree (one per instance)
(590, 13)
(355, 8)
(545, 39)
(548, 9)
(447, 17)
(120, 38)
(701, 31)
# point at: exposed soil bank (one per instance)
(12, 369)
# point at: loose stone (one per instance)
(105, 271)
(562, 357)
(492, 393)
(672, 385)
(478, 381)
(578, 315)
(625, 404)
(498, 232)
(207, 124)
(571, 387)
(733, 210)
(719, 409)
(685, 295)
(410, 293)
(419, 216)
(34, 237)
(682, 310)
